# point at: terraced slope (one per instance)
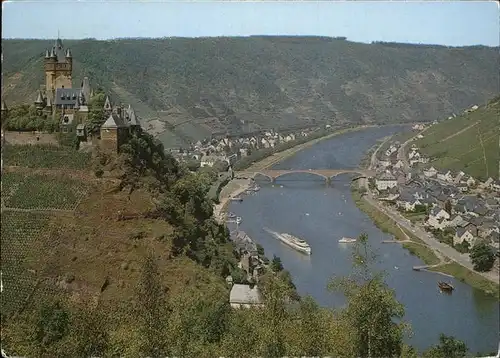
(469, 142)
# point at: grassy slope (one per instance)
(463, 143)
(87, 242)
(236, 83)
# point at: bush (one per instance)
(482, 257)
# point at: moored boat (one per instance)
(445, 286)
(347, 240)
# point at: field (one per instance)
(469, 143)
(72, 251)
(20, 232)
(45, 156)
(41, 192)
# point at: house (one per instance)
(495, 186)
(487, 183)
(494, 239)
(448, 177)
(459, 177)
(245, 296)
(399, 164)
(431, 172)
(438, 218)
(457, 221)
(386, 181)
(470, 181)
(464, 234)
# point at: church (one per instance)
(58, 99)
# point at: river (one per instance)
(301, 204)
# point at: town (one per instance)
(452, 208)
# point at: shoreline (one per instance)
(435, 261)
(444, 266)
(240, 185)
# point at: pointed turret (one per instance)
(49, 103)
(39, 98)
(53, 53)
(68, 53)
(47, 54)
(77, 104)
(39, 101)
(107, 104)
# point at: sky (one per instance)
(450, 23)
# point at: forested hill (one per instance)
(241, 83)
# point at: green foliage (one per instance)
(41, 191)
(25, 118)
(256, 79)
(482, 257)
(372, 307)
(448, 347)
(144, 157)
(45, 156)
(276, 264)
(96, 116)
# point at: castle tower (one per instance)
(58, 68)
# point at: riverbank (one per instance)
(436, 261)
(275, 158)
(432, 257)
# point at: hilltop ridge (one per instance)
(190, 88)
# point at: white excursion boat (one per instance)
(295, 242)
(347, 240)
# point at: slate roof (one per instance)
(69, 96)
(114, 121)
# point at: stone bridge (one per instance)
(326, 174)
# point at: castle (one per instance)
(59, 100)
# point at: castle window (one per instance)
(66, 119)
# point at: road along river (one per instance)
(302, 205)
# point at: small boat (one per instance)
(445, 286)
(238, 219)
(347, 240)
(236, 198)
(231, 215)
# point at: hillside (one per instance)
(469, 142)
(200, 86)
(91, 268)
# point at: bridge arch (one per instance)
(311, 172)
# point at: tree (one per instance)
(371, 308)
(448, 207)
(448, 347)
(482, 257)
(276, 264)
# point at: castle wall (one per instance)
(63, 80)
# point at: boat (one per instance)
(347, 240)
(295, 242)
(231, 215)
(236, 198)
(445, 286)
(292, 241)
